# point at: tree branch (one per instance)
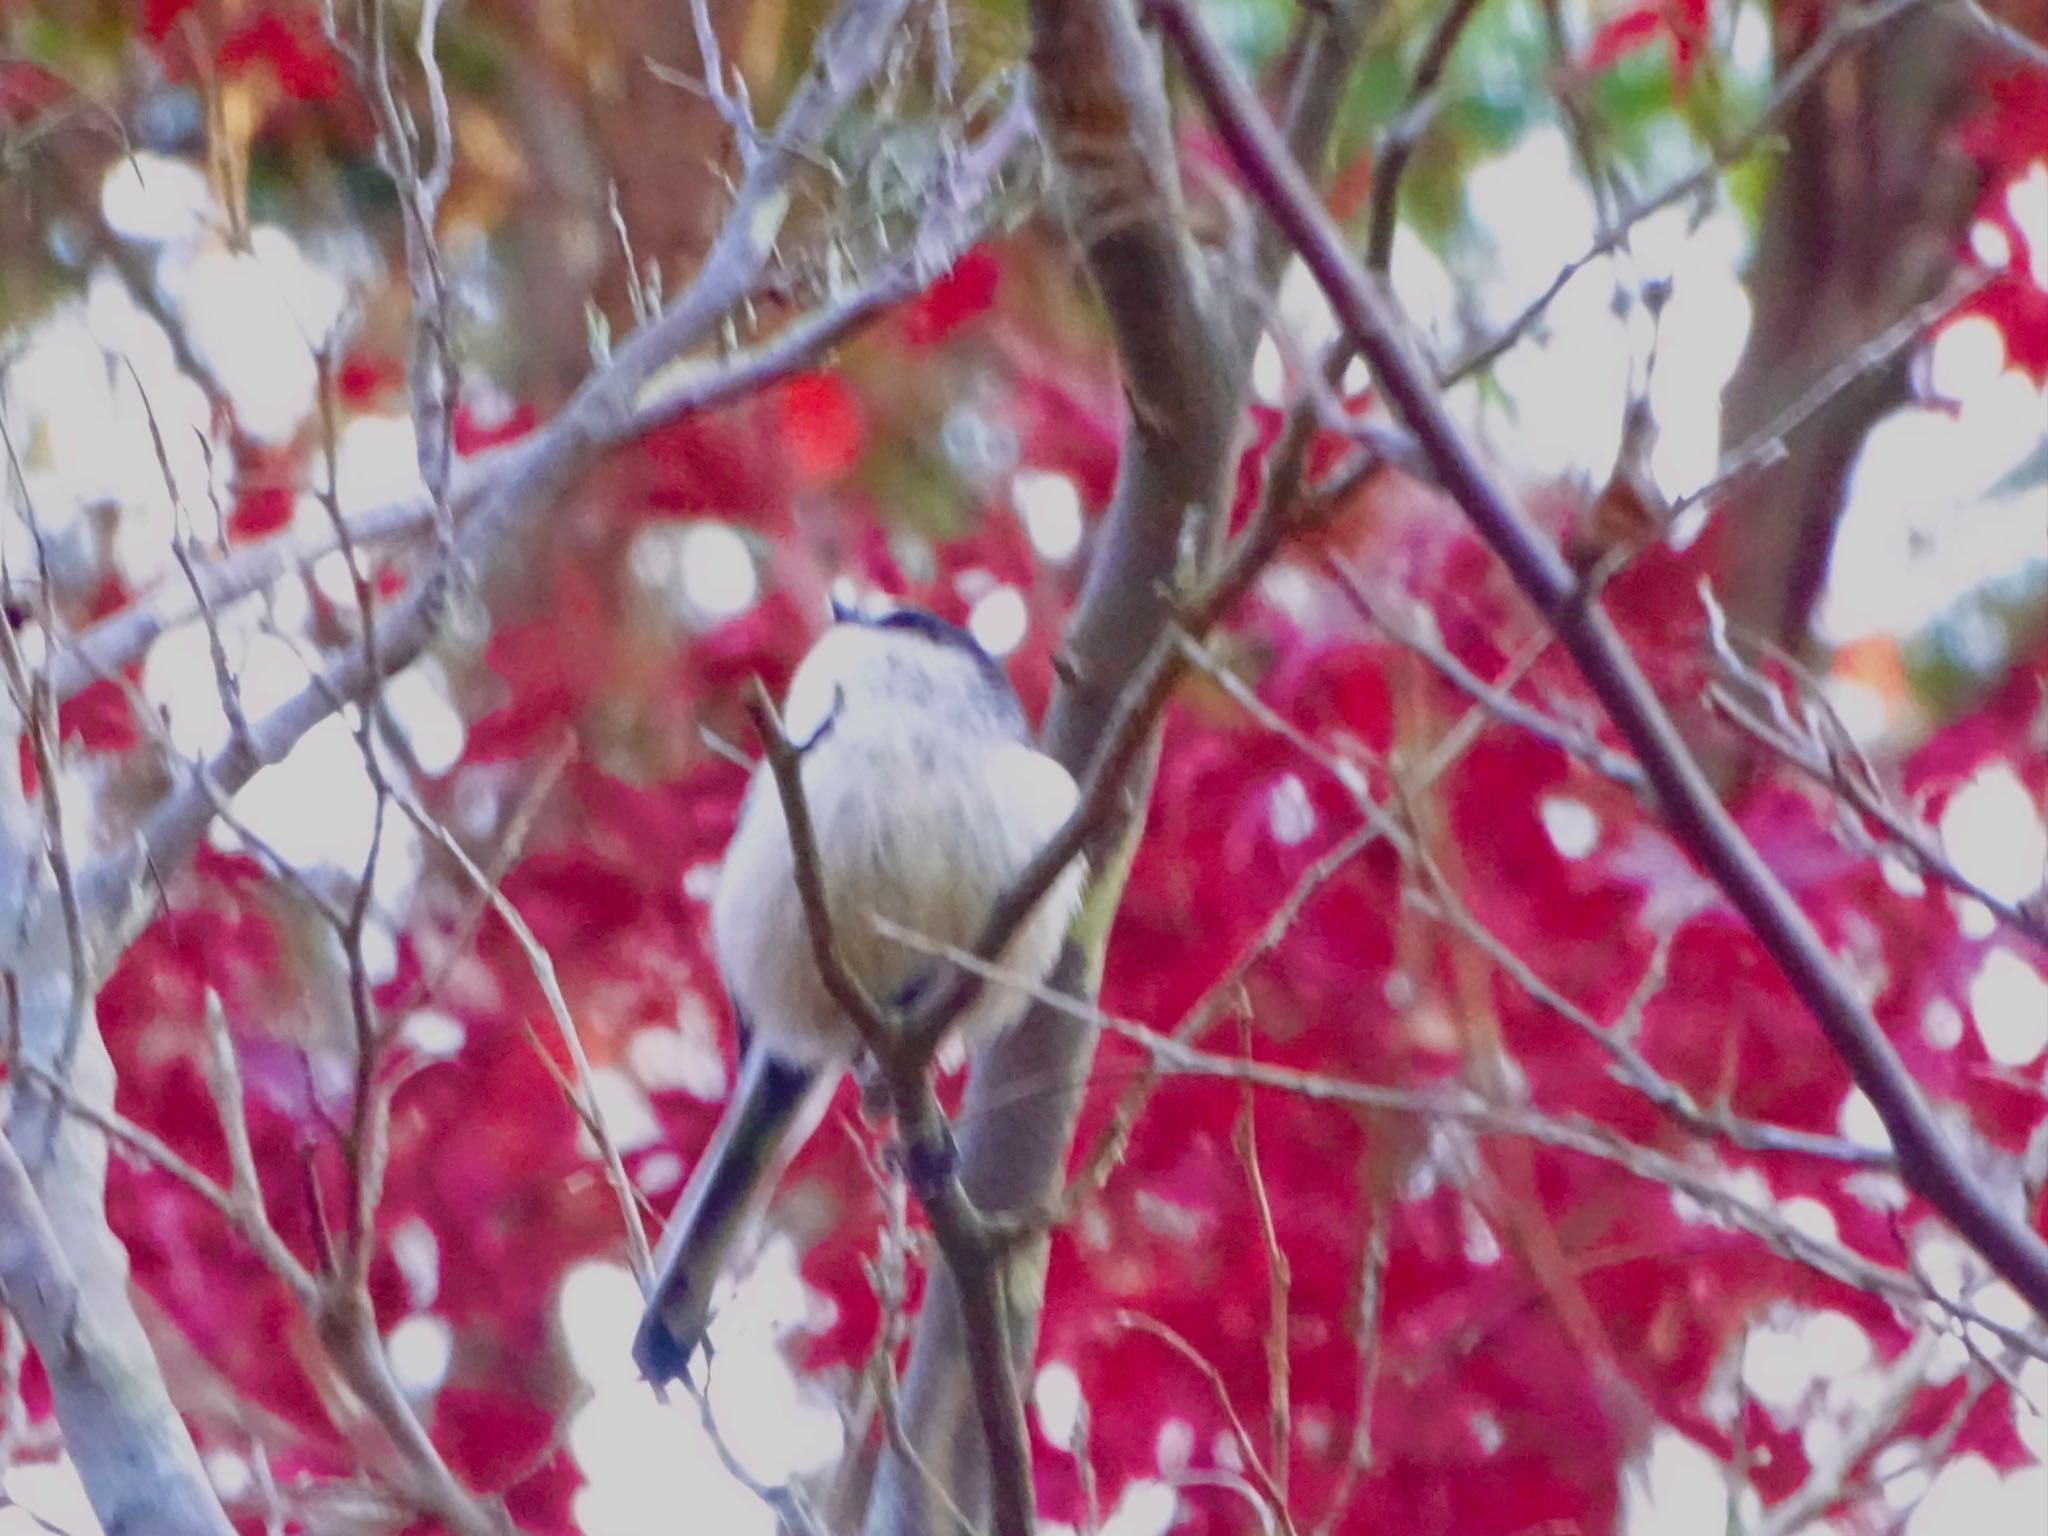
(1705, 1183)
(1184, 351)
(129, 1442)
(904, 1059)
(1929, 1165)
(138, 1464)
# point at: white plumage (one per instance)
(927, 800)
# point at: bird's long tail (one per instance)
(728, 1186)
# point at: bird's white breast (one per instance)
(923, 815)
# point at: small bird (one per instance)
(926, 798)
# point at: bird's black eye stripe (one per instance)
(935, 629)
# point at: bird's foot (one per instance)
(930, 1161)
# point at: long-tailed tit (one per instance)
(927, 798)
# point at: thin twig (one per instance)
(904, 1059)
(1848, 25)
(1766, 447)
(1820, 747)
(1410, 123)
(1280, 1433)
(1268, 1485)
(1571, 739)
(1927, 1162)
(1999, 32)
(542, 965)
(1444, 904)
(1705, 1183)
(1365, 1334)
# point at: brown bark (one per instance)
(1862, 223)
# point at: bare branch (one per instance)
(1406, 131)
(1271, 1493)
(2000, 33)
(1444, 904)
(1848, 26)
(1820, 748)
(904, 1059)
(1702, 1180)
(1279, 1281)
(1767, 447)
(1365, 1333)
(957, 212)
(583, 1092)
(1902, 1382)
(534, 472)
(147, 1480)
(1928, 1163)
(502, 499)
(1496, 701)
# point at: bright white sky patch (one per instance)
(1573, 829)
(998, 620)
(2009, 1001)
(46, 1491)
(326, 770)
(1269, 372)
(1992, 829)
(1776, 1371)
(1056, 1396)
(1941, 1023)
(1919, 531)
(1968, 355)
(1050, 506)
(421, 1347)
(1147, 1508)
(152, 199)
(637, 1452)
(434, 1034)
(376, 462)
(1963, 1497)
(257, 319)
(2032, 1428)
(2027, 201)
(1991, 245)
(1834, 1345)
(417, 702)
(683, 1055)
(627, 1115)
(1807, 1215)
(417, 1253)
(1860, 1122)
(1293, 815)
(697, 573)
(1676, 1490)
(719, 579)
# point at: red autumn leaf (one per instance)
(285, 41)
(1633, 29)
(958, 297)
(491, 1441)
(261, 510)
(159, 16)
(821, 425)
(475, 429)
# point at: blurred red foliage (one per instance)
(1541, 1312)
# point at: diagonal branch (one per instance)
(39, 1286)
(1927, 1162)
(656, 384)
(963, 1236)
(129, 1443)
(1183, 350)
